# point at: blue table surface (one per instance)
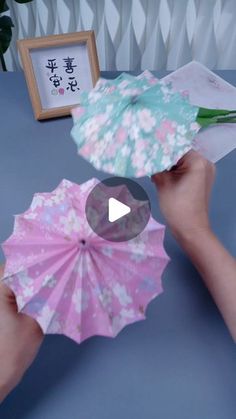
(180, 363)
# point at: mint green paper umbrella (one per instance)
(205, 116)
(137, 126)
(124, 82)
(131, 129)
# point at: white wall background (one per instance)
(136, 34)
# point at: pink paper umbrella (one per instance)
(71, 280)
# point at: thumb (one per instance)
(161, 177)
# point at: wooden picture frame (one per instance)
(45, 69)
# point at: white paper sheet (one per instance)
(208, 90)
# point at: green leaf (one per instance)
(218, 119)
(3, 6)
(208, 113)
(207, 117)
(23, 1)
(204, 122)
(2, 61)
(5, 39)
(227, 119)
(5, 32)
(5, 22)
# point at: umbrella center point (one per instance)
(83, 244)
(134, 99)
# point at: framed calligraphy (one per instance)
(57, 68)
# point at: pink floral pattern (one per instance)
(79, 288)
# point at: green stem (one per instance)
(2, 61)
(207, 117)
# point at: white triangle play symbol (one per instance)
(116, 209)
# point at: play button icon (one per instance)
(117, 209)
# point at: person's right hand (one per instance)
(184, 193)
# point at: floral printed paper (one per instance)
(72, 281)
(134, 126)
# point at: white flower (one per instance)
(146, 120)
(96, 157)
(84, 265)
(127, 119)
(85, 187)
(138, 257)
(125, 151)
(120, 166)
(94, 96)
(195, 126)
(91, 126)
(49, 202)
(28, 291)
(55, 326)
(136, 245)
(49, 281)
(37, 202)
(155, 148)
(148, 167)
(109, 108)
(20, 301)
(105, 296)
(123, 84)
(100, 148)
(100, 84)
(137, 250)
(24, 279)
(59, 196)
(171, 139)
(134, 132)
(121, 294)
(127, 313)
(181, 129)
(181, 140)
(108, 138)
(107, 251)
(45, 317)
(118, 323)
(18, 229)
(165, 161)
(76, 300)
(30, 216)
(164, 88)
(71, 222)
(166, 98)
(130, 92)
(80, 300)
(65, 183)
(138, 160)
(108, 167)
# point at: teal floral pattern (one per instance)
(134, 126)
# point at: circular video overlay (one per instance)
(118, 209)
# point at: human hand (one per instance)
(20, 339)
(184, 193)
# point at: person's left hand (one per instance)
(20, 339)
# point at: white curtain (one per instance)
(136, 34)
